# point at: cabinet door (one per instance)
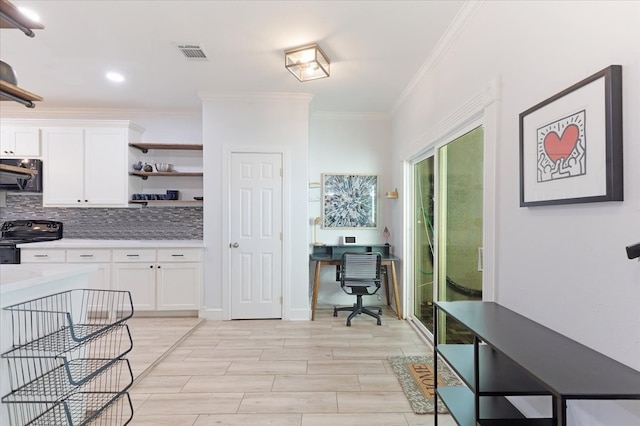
(20, 142)
(140, 280)
(100, 279)
(105, 167)
(63, 174)
(178, 286)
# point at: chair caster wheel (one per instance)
(348, 323)
(379, 311)
(379, 322)
(335, 313)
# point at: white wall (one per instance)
(278, 122)
(563, 266)
(343, 144)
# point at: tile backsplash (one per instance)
(146, 223)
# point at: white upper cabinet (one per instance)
(86, 166)
(63, 168)
(22, 142)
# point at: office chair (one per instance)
(360, 276)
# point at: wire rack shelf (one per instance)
(67, 362)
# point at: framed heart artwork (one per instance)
(571, 144)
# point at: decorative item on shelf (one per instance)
(147, 168)
(392, 194)
(7, 73)
(164, 167)
(137, 166)
(386, 234)
(316, 221)
(173, 194)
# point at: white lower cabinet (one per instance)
(158, 279)
(156, 284)
(100, 279)
(178, 278)
(140, 280)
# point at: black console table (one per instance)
(515, 356)
(332, 255)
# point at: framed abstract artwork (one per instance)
(350, 201)
(571, 144)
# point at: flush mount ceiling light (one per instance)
(307, 62)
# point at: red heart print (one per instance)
(561, 147)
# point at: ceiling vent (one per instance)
(192, 51)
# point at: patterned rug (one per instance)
(415, 374)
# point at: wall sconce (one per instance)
(392, 194)
(307, 62)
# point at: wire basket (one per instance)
(67, 363)
(83, 408)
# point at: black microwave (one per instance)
(11, 180)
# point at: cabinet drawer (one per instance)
(88, 256)
(134, 255)
(42, 256)
(179, 255)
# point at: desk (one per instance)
(332, 255)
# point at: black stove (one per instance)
(25, 231)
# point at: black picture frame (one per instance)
(571, 144)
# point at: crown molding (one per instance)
(43, 112)
(253, 96)
(370, 116)
(471, 110)
(456, 27)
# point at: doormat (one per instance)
(415, 374)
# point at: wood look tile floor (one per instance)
(271, 372)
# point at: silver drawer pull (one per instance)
(133, 255)
(40, 255)
(86, 255)
(177, 255)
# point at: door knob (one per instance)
(234, 245)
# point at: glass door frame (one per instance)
(479, 111)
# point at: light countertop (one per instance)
(24, 276)
(70, 243)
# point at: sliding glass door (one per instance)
(424, 244)
(452, 211)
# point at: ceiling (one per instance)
(376, 48)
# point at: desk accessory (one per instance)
(346, 240)
(316, 221)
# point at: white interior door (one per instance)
(256, 235)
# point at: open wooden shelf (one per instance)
(145, 146)
(7, 90)
(145, 175)
(11, 17)
(9, 9)
(167, 202)
(18, 170)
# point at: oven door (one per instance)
(9, 254)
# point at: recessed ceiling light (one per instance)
(115, 77)
(29, 14)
